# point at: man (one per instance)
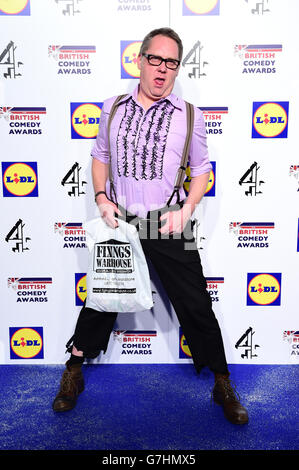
(147, 137)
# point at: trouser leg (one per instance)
(92, 331)
(180, 272)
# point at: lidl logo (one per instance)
(263, 289)
(19, 179)
(211, 187)
(200, 7)
(26, 343)
(184, 351)
(80, 288)
(129, 51)
(85, 119)
(270, 119)
(15, 7)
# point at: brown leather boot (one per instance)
(71, 384)
(224, 395)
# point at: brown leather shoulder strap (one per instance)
(181, 174)
(111, 116)
(190, 124)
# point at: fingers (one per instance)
(174, 223)
(108, 212)
(167, 226)
(110, 221)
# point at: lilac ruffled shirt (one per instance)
(146, 150)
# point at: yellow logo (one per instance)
(201, 7)
(86, 119)
(211, 181)
(129, 60)
(81, 290)
(20, 179)
(270, 119)
(188, 179)
(264, 289)
(12, 7)
(184, 346)
(26, 343)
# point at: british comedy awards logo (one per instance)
(292, 338)
(30, 289)
(214, 118)
(15, 7)
(257, 59)
(73, 60)
(294, 173)
(72, 233)
(252, 234)
(142, 6)
(19, 179)
(264, 289)
(270, 120)
(85, 119)
(129, 51)
(26, 343)
(214, 286)
(202, 7)
(25, 121)
(135, 342)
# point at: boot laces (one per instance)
(229, 388)
(67, 382)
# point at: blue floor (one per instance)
(156, 407)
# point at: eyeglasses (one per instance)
(156, 60)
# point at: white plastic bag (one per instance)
(117, 279)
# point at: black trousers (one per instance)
(177, 264)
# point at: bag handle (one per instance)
(180, 178)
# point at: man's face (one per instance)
(156, 82)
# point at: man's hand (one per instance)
(175, 221)
(108, 210)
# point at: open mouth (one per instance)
(159, 81)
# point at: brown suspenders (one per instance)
(111, 116)
(181, 174)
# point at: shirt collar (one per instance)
(174, 100)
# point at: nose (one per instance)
(162, 67)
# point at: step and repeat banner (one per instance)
(59, 60)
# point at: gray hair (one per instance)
(169, 33)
